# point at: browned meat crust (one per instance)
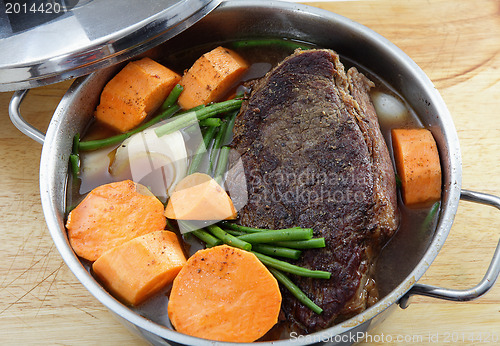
(313, 156)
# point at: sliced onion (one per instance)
(156, 162)
(389, 109)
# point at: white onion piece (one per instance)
(156, 162)
(94, 168)
(389, 109)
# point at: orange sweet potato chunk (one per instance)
(135, 92)
(418, 165)
(224, 294)
(199, 197)
(112, 214)
(211, 77)
(141, 267)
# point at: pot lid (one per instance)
(44, 42)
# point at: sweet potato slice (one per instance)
(112, 214)
(136, 91)
(211, 77)
(224, 294)
(141, 267)
(199, 197)
(418, 165)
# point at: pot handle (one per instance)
(483, 286)
(18, 120)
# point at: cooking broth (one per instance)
(95, 171)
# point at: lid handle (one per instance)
(18, 120)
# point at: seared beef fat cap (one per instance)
(314, 156)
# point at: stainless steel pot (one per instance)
(250, 19)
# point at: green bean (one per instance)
(222, 135)
(191, 129)
(211, 122)
(268, 42)
(295, 290)
(105, 142)
(74, 161)
(76, 144)
(167, 113)
(236, 227)
(272, 250)
(172, 97)
(202, 148)
(303, 244)
(220, 168)
(228, 238)
(290, 268)
(428, 219)
(235, 233)
(193, 117)
(277, 235)
(170, 226)
(292, 244)
(206, 237)
(192, 109)
(229, 130)
(217, 143)
(221, 155)
(398, 181)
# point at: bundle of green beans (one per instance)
(267, 244)
(205, 116)
(214, 137)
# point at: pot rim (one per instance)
(449, 203)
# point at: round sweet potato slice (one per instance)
(224, 294)
(112, 214)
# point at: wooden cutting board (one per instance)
(457, 43)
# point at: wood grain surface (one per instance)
(457, 43)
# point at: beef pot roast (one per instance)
(313, 156)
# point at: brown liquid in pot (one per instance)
(261, 59)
